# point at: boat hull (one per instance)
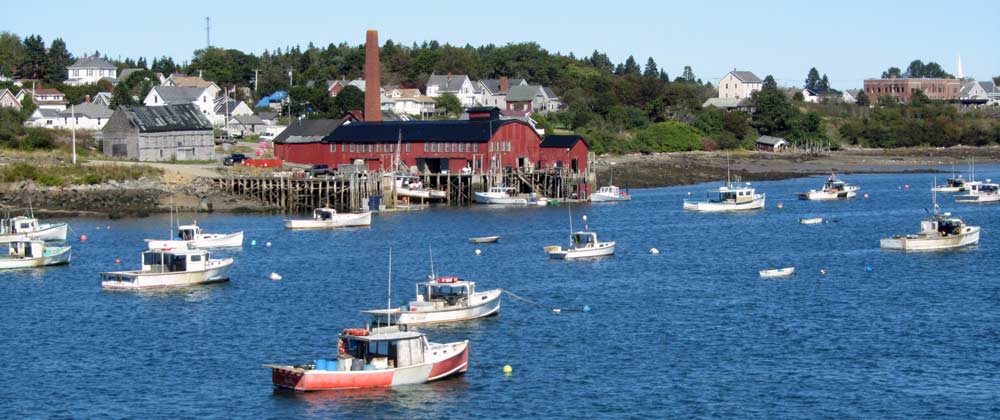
(572, 254)
(445, 360)
(47, 232)
(133, 280)
(709, 206)
(932, 243)
(948, 189)
(484, 240)
(811, 221)
(232, 240)
(777, 273)
(485, 304)
(978, 198)
(603, 198)
(829, 195)
(55, 256)
(425, 194)
(338, 221)
(486, 198)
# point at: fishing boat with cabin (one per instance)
(499, 195)
(833, 189)
(413, 187)
(34, 253)
(440, 300)
(191, 236)
(938, 232)
(730, 197)
(163, 268)
(327, 218)
(582, 244)
(28, 228)
(610, 192)
(984, 192)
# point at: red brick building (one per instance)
(903, 89)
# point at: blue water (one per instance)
(692, 332)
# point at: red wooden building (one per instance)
(564, 151)
(302, 141)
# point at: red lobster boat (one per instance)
(376, 358)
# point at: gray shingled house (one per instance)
(159, 133)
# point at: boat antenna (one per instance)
(728, 179)
(431, 251)
(171, 234)
(934, 197)
(569, 208)
(388, 303)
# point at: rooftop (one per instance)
(92, 62)
(308, 131)
(173, 95)
(565, 141)
(746, 76)
(151, 119)
(408, 131)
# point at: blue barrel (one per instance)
(374, 202)
(321, 364)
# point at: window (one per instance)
(195, 258)
(343, 147)
(90, 72)
(476, 147)
(426, 147)
(352, 147)
(407, 147)
(378, 148)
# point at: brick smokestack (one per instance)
(373, 77)
(504, 84)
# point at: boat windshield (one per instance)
(956, 182)
(448, 292)
(989, 188)
(583, 239)
(164, 262)
(950, 227)
(323, 214)
(186, 234)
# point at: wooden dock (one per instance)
(351, 192)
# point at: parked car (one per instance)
(267, 136)
(234, 159)
(318, 170)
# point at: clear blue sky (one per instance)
(846, 39)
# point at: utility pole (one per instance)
(72, 112)
(208, 32)
(256, 76)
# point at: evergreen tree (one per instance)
(57, 61)
(141, 63)
(121, 96)
(651, 70)
(34, 57)
(620, 70)
(772, 113)
(688, 74)
(812, 79)
(11, 53)
(862, 99)
(601, 61)
(631, 67)
(892, 72)
(824, 85)
(664, 77)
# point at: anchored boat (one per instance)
(327, 218)
(28, 228)
(937, 232)
(582, 244)
(985, 192)
(729, 197)
(484, 239)
(411, 186)
(442, 299)
(499, 195)
(833, 189)
(191, 236)
(777, 272)
(170, 268)
(29, 253)
(954, 184)
(609, 193)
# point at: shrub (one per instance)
(669, 136)
(38, 138)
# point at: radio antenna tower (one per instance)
(208, 32)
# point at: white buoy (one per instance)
(275, 276)
(557, 311)
(267, 244)
(478, 252)
(654, 251)
(585, 218)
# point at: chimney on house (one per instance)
(373, 77)
(504, 84)
(86, 99)
(449, 76)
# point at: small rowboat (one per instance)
(484, 239)
(778, 272)
(811, 221)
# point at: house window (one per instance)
(407, 147)
(475, 147)
(426, 147)
(90, 72)
(352, 147)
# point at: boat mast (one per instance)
(569, 208)
(388, 303)
(431, 251)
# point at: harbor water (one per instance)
(690, 332)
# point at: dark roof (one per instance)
(308, 131)
(440, 131)
(522, 93)
(448, 82)
(773, 141)
(563, 141)
(151, 119)
(746, 76)
(92, 62)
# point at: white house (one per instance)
(202, 98)
(849, 96)
(88, 116)
(739, 85)
(89, 70)
(226, 108)
(103, 98)
(180, 80)
(493, 92)
(458, 85)
(551, 101)
(808, 95)
(8, 100)
(333, 87)
(246, 125)
(46, 98)
(48, 118)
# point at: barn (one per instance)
(302, 141)
(564, 151)
(158, 133)
(771, 144)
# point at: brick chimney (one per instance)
(504, 84)
(373, 77)
(87, 99)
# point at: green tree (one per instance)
(996, 80)
(349, 98)
(35, 59)
(824, 85)
(601, 62)
(631, 67)
(812, 79)
(164, 65)
(651, 70)
(28, 107)
(449, 103)
(915, 69)
(688, 74)
(669, 136)
(862, 99)
(798, 96)
(772, 113)
(892, 72)
(141, 63)
(121, 96)
(57, 60)
(918, 98)
(11, 54)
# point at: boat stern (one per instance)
(455, 360)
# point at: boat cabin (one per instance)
(19, 224)
(584, 239)
(409, 181)
(502, 190)
(167, 261)
(989, 188)
(609, 190)
(324, 213)
(943, 225)
(26, 249)
(188, 232)
(449, 290)
(733, 194)
(834, 185)
(359, 350)
(956, 182)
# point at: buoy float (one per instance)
(83, 238)
(118, 260)
(906, 187)
(557, 311)
(507, 370)
(586, 308)
(275, 276)
(109, 227)
(866, 195)
(781, 205)
(267, 244)
(253, 242)
(654, 251)
(869, 269)
(822, 271)
(98, 228)
(478, 252)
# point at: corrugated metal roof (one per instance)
(151, 119)
(440, 131)
(563, 141)
(308, 131)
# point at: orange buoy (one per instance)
(83, 238)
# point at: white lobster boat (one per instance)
(584, 245)
(440, 300)
(327, 218)
(729, 197)
(29, 253)
(191, 236)
(609, 193)
(376, 357)
(162, 268)
(980, 192)
(833, 189)
(411, 186)
(27, 228)
(499, 195)
(954, 184)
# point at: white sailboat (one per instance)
(327, 218)
(34, 253)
